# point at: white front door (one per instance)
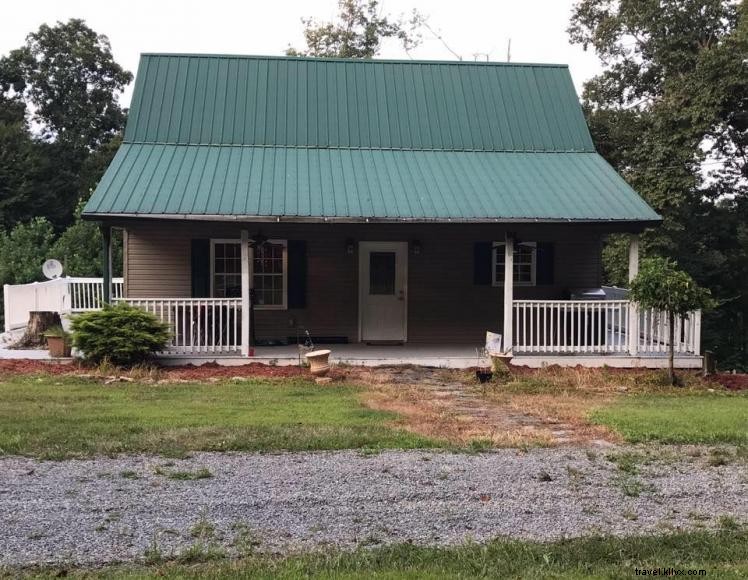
(383, 290)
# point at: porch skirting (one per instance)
(444, 356)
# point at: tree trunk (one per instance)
(39, 322)
(671, 351)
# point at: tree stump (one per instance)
(39, 322)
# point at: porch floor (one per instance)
(432, 355)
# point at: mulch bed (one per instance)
(31, 367)
(733, 382)
(214, 370)
(185, 372)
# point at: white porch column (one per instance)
(106, 279)
(508, 291)
(633, 333)
(245, 292)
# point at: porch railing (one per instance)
(599, 327)
(87, 293)
(198, 325)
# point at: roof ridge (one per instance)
(349, 148)
(355, 60)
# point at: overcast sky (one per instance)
(537, 28)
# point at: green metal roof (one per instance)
(355, 139)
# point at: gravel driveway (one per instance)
(105, 510)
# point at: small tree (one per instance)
(661, 285)
(123, 334)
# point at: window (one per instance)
(268, 272)
(382, 267)
(525, 263)
(227, 269)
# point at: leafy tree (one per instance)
(66, 81)
(23, 251)
(80, 249)
(67, 72)
(669, 112)
(19, 158)
(661, 285)
(358, 32)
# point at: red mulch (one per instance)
(30, 367)
(732, 382)
(206, 371)
(214, 370)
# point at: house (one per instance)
(369, 203)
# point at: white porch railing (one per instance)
(654, 333)
(87, 293)
(198, 325)
(598, 327)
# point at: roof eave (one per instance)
(643, 222)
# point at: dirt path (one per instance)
(449, 403)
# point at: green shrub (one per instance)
(123, 334)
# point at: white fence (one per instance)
(599, 327)
(198, 325)
(63, 295)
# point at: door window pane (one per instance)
(382, 273)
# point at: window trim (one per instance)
(533, 265)
(284, 243)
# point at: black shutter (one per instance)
(544, 273)
(482, 268)
(200, 260)
(297, 273)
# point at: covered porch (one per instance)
(444, 320)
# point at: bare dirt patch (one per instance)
(452, 405)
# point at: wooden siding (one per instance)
(443, 302)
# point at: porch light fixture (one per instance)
(350, 245)
(416, 245)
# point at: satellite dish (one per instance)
(52, 269)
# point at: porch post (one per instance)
(508, 291)
(106, 291)
(633, 333)
(245, 292)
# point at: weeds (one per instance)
(153, 554)
(203, 529)
(202, 473)
(199, 553)
(245, 541)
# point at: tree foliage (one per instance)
(59, 121)
(358, 32)
(669, 111)
(23, 251)
(122, 334)
(661, 285)
(67, 72)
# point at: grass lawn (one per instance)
(57, 417)
(688, 418)
(723, 555)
